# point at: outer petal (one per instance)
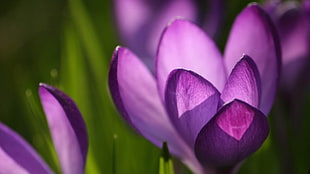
(236, 132)
(243, 83)
(17, 156)
(191, 102)
(67, 129)
(254, 34)
(134, 92)
(184, 45)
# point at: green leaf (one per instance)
(89, 60)
(165, 162)
(75, 83)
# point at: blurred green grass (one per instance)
(68, 44)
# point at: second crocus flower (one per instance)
(68, 133)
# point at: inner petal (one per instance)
(191, 101)
(236, 121)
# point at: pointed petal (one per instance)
(17, 156)
(191, 101)
(236, 132)
(254, 34)
(67, 128)
(184, 45)
(243, 83)
(133, 89)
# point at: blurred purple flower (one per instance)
(207, 108)
(140, 22)
(293, 24)
(68, 133)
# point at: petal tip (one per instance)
(44, 85)
(45, 88)
(249, 61)
(118, 48)
(177, 20)
(253, 6)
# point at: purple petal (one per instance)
(133, 89)
(214, 17)
(184, 45)
(17, 156)
(243, 83)
(294, 30)
(254, 34)
(236, 132)
(293, 27)
(306, 6)
(67, 128)
(191, 102)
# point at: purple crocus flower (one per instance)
(293, 24)
(211, 111)
(68, 132)
(140, 22)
